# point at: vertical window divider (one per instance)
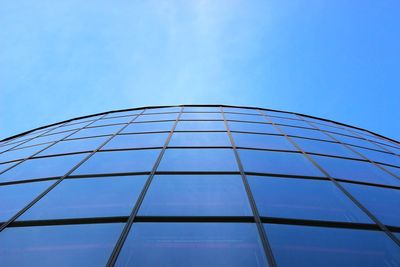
(263, 236)
(3, 226)
(128, 226)
(337, 184)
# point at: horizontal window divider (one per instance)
(62, 154)
(195, 219)
(84, 176)
(128, 149)
(197, 173)
(199, 147)
(29, 181)
(69, 221)
(138, 133)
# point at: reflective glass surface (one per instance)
(201, 116)
(200, 139)
(75, 145)
(103, 130)
(202, 244)
(200, 126)
(137, 141)
(273, 142)
(149, 127)
(252, 127)
(157, 117)
(196, 195)
(319, 246)
(21, 153)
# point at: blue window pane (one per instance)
(200, 139)
(245, 117)
(123, 113)
(319, 246)
(196, 195)
(103, 130)
(379, 156)
(149, 127)
(322, 147)
(46, 139)
(262, 141)
(201, 116)
(162, 110)
(355, 170)
(89, 197)
(281, 114)
(66, 245)
(118, 120)
(192, 244)
(200, 126)
(333, 128)
(91, 118)
(71, 146)
(137, 141)
(252, 127)
(277, 163)
(157, 117)
(21, 153)
(5, 166)
(15, 197)
(71, 127)
(284, 121)
(119, 162)
(242, 110)
(42, 168)
(384, 203)
(202, 109)
(303, 132)
(355, 141)
(303, 199)
(198, 160)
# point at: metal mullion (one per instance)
(262, 234)
(29, 181)
(50, 145)
(121, 240)
(3, 226)
(340, 187)
(70, 221)
(355, 151)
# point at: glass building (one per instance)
(199, 186)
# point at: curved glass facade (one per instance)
(199, 186)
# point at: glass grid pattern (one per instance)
(219, 186)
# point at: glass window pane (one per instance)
(384, 203)
(15, 197)
(242, 110)
(200, 126)
(123, 113)
(5, 166)
(88, 197)
(21, 153)
(71, 146)
(322, 147)
(196, 195)
(245, 117)
(42, 168)
(281, 114)
(332, 128)
(157, 117)
(355, 141)
(192, 244)
(379, 156)
(137, 141)
(162, 110)
(202, 109)
(63, 245)
(71, 127)
(198, 160)
(318, 246)
(201, 116)
(290, 122)
(252, 127)
(262, 141)
(47, 139)
(95, 131)
(303, 199)
(200, 139)
(355, 170)
(118, 120)
(303, 132)
(119, 162)
(149, 127)
(277, 163)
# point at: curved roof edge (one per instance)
(195, 105)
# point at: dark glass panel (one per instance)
(90, 132)
(303, 199)
(119, 162)
(355, 170)
(192, 244)
(200, 126)
(63, 245)
(42, 168)
(137, 141)
(322, 147)
(88, 197)
(262, 141)
(200, 139)
(252, 127)
(277, 162)
(77, 145)
(149, 127)
(198, 160)
(196, 195)
(384, 203)
(318, 246)
(15, 197)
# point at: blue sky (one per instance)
(333, 59)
